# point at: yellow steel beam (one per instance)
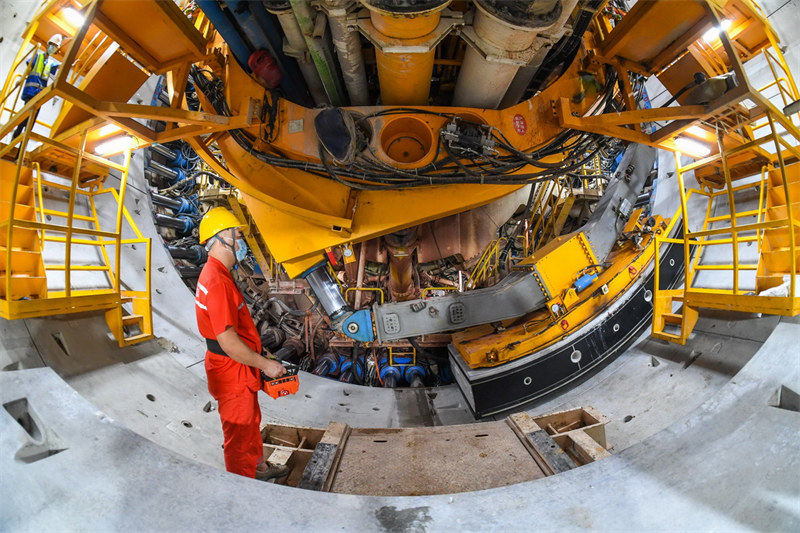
(244, 186)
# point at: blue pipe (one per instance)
(351, 368)
(328, 364)
(227, 30)
(264, 33)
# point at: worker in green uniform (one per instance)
(43, 65)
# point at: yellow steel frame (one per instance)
(396, 351)
(735, 298)
(488, 264)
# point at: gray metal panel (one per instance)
(605, 223)
(517, 294)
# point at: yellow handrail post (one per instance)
(40, 197)
(118, 227)
(761, 207)
(70, 216)
(789, 214)
(731, 211)
(682, 191)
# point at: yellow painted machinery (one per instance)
(429, 175)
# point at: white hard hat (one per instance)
(56, 39)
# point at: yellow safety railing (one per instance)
(365, 289)
(734, 234)
(488, 264)
(396, 351)
(26, 292)
(74, 154)
(776, 223)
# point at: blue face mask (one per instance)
(241, 250)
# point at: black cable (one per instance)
(375, 175)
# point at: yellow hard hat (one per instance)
(216, 220)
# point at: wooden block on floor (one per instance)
(544, 450)
(279, 456)
(318, 474)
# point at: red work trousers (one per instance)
(235, 386)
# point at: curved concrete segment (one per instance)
(731, 464)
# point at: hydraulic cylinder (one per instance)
(501, 34)
(348, 50)
(405, 76)
(296, 47)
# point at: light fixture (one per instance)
(107, 130)
(711, 35)
(73, 17)
(691, 147)
(748, 104)
(697, 131)
(115, 145)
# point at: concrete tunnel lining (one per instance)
(667, 466)
(673, 477)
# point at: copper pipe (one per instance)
(400, 247)
(362, 260)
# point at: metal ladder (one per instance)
(103, 64)
(776, 231)
(27, 290)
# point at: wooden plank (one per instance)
(279, 457)
(318, 474)
(588, 448)
(544, 450)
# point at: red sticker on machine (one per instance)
(520, 126)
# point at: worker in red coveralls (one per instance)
(233, 358)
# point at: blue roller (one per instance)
(328, 363)
(352, 368)
(584, 281)
(390, 375)
(414, 376)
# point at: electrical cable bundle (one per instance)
(367, 172)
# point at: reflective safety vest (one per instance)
(43, 66)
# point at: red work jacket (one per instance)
(219, 303)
